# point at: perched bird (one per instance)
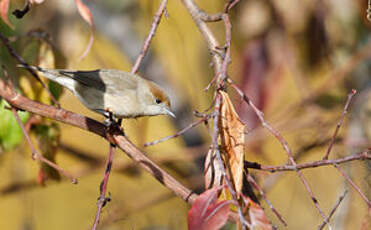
(105, 91)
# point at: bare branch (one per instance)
(151, 34)
(358, 156)
(350, 96)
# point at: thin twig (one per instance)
(358, 156)
(23, 62)
(260, 190)
(349, 98)
(228, 38)
(333, 210)
(102, 199)
(36, 155)
(351, 182)
(283, 142)
(155, 23)
(190, 126)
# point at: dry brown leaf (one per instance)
(232, 136)
(212, 171)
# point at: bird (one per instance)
(112, 92)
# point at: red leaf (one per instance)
(4, 7)
(88, 17)
(207, 213)
(257, 216)
(85, 12)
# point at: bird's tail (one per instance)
(52, 74)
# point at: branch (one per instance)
(36, 155)
(98, 128)
(102, 199)
(151, 34)
(358, 156)
(190, 126)
(350, 96)
(333, 210)
(209, 37)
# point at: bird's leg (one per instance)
(112, 126)
(110, 118)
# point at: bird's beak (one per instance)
(168, 112)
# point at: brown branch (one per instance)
(98, 128)
(333, 210)
(358, 156)
(350, 96)
(155, 23)
(102, 199)
(23, 62)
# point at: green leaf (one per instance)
(10, 132)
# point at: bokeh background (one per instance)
(297, 60)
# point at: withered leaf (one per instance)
(232, 137)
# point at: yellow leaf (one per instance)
(232, 136)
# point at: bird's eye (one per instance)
(158, 101)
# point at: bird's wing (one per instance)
(103, 79)
(88, 78)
